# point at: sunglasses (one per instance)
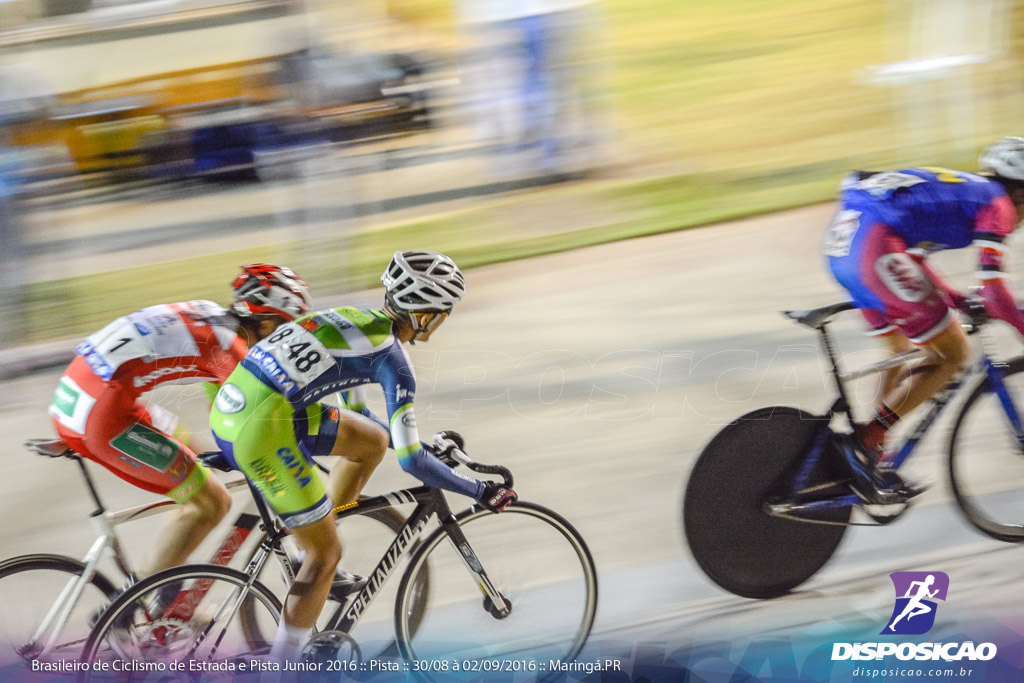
(428, 322)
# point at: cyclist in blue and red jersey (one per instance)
(887, 222)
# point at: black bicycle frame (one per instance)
(430, 501)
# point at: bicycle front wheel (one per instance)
(986, 459)
(181, 619)
(541, 567)
(42, 618)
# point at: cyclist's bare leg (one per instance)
(904, 388)
(188, 526)
(307, 595)
(361, 443)
(895, 343)
(945, 354)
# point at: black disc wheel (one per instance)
(746, 466)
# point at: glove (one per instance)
(954, 299)
(444, 453)
(496, 497)
(450, 435)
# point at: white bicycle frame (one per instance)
(104, 523)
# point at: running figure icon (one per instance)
(915, 597)
(915, 607)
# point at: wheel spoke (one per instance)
(46, 606)
(202, 624)
(549, 598)
(986, 460)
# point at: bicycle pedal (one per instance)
(345, 584)
(913, 489)
(885, 514)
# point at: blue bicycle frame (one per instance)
(985, 366)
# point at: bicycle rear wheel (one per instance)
(198, 632)
(35, 590)
(551, 592)
(364, 540)
(737, 544)
(986, 460)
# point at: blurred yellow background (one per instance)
(698, 112)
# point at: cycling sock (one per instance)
(289, 642)
(872, 434)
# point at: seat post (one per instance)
(826, 341)
(91, 486)
(261, 507)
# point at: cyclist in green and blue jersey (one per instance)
(269, 421)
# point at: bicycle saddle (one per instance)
(51, 448)
(216, 460)
(817, 317)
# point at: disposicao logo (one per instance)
(916, 593)
(914, 614)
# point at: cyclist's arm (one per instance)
(396, 377)
(954, 299)
(211, 389)
(993, 224)
(355, 400)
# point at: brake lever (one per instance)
(977, 315)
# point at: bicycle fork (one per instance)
(497, 604)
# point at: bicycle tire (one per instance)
(394, 521)
(122, 622)
(20, 594)
(539, 595)
(739, 546)
(982, 496)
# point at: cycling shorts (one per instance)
(892, 290)
(273, 445)
(103, 422)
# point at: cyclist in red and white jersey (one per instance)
(97, 411)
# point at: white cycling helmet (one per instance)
(1005, 158)
(423, 281)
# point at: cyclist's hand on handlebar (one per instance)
(449, 435)
(999, 304)
(444, 443)
(496, 497)
(956, 300)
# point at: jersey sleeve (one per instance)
(395, 375)
(211, 389)
(992, 225)
(223, 351)
(355, 400)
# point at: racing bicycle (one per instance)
(769, 499)
(519, 585)
(47, 600)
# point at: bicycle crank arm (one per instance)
(803, 512)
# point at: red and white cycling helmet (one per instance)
(264, 289)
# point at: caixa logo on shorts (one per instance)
(913, 614)
(903, 277)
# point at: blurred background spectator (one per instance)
(152, 138)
